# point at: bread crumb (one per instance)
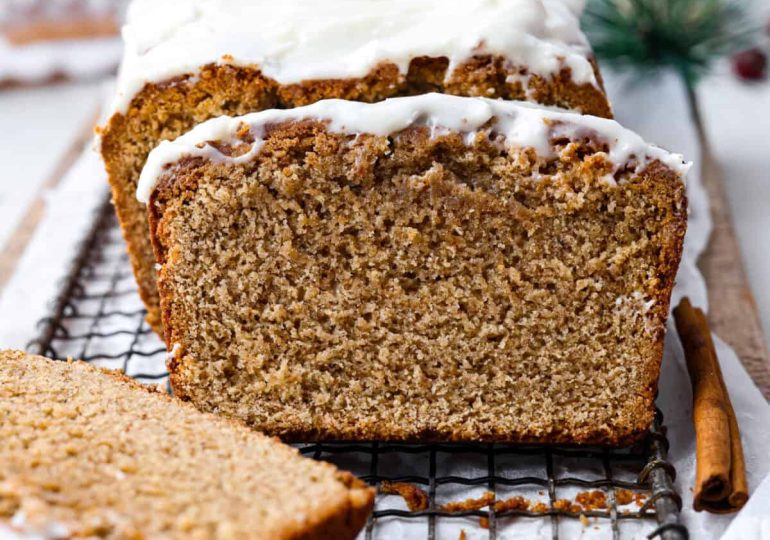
(469, 504)
(416, 499)
(592, 500)
(565, 505)
(626, 496)
(514, 503)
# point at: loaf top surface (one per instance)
(301, 40)
(517, 124)
(84, 453)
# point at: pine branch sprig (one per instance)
(686, 35)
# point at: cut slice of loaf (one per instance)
(86, 453)
(424, 268)
(207, 59)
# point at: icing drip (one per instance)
(522, 125)
(299, 40)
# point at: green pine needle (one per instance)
(686, 35)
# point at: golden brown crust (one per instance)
(98, 461)
(166, 110)
(589, 247)
(340, 523)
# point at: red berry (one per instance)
(750, 65)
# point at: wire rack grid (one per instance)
(98, 317)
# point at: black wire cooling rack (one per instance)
(98, 317)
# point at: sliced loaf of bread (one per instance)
(424, 268)
(208, 59)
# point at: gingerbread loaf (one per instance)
(427, 268)
(188, 61)
(86, 453)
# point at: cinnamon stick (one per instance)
(739, 493)
(720, 472)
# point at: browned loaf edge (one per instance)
(295, 153)
(340, 519)
(167, 110)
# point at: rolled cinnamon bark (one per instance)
(720, 474)
(739, 493)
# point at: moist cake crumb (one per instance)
(424, 285)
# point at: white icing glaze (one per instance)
(523, 125)
(298, 40)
